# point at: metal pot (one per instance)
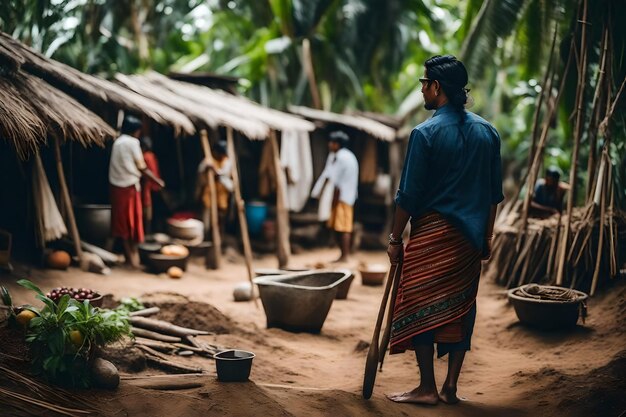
(94, 222)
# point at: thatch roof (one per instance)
(31, 111)
(365, 124)
(91, 91)
(246, 116)
(201, 115)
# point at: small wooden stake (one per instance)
(215, 228)
(68, 201)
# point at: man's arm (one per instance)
(153, 177)
(541, 207)
(395, 250)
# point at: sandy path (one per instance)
(312, 375)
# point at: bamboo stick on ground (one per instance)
(154, 335)
(164, 327)
(155, 344)
(145, 312)
(174, 366)
(167, 382)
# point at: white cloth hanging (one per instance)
(297, 163)
(324, 190)
(48, 219)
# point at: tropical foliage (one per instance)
(64, 335)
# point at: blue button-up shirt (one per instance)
(453, 166)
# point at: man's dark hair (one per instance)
(452, 76)
(339, 137)
(130, 125)
(553, 172)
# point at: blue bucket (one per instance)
(256, 213)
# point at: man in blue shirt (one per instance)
(449, 190)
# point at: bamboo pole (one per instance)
(243, 223)
(282, 215)
(591, 163)
(67, 201)
(596, 271)
(215, 227)
(571, 195)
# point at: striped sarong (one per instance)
(439, 283)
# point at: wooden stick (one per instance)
(174, 366)
(153, 352)
(392, 303)
(164, 327)
(155, 344)
(215, 228)
(282, 215)
(373, 355)
(169, 382)
(145, 312)
(243, 223)
(68, 201)
(154, 335)
(596, 272)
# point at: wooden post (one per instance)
(282, 215)
(243, 224)
(67, 201)
(215, 227)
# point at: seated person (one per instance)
(548, 197)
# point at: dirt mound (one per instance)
(599, 392)
(179, 310)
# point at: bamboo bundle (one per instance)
(590, 258)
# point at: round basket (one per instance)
(547, 314)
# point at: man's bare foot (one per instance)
(340, 260)
(448, 395)
(417, 396)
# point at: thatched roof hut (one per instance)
(215, 107)
(372, 127)
(93, 92)
(31, 111)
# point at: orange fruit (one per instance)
(76, 337)
(24, 317)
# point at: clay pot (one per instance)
(58, 259)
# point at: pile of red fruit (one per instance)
(79, 294)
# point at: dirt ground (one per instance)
(511, 370)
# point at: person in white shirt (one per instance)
(343, 175)
(125, 171)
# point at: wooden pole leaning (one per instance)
(67, 200)
(214, 216)
(282, 215)
(243, 223)
(373, 354)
